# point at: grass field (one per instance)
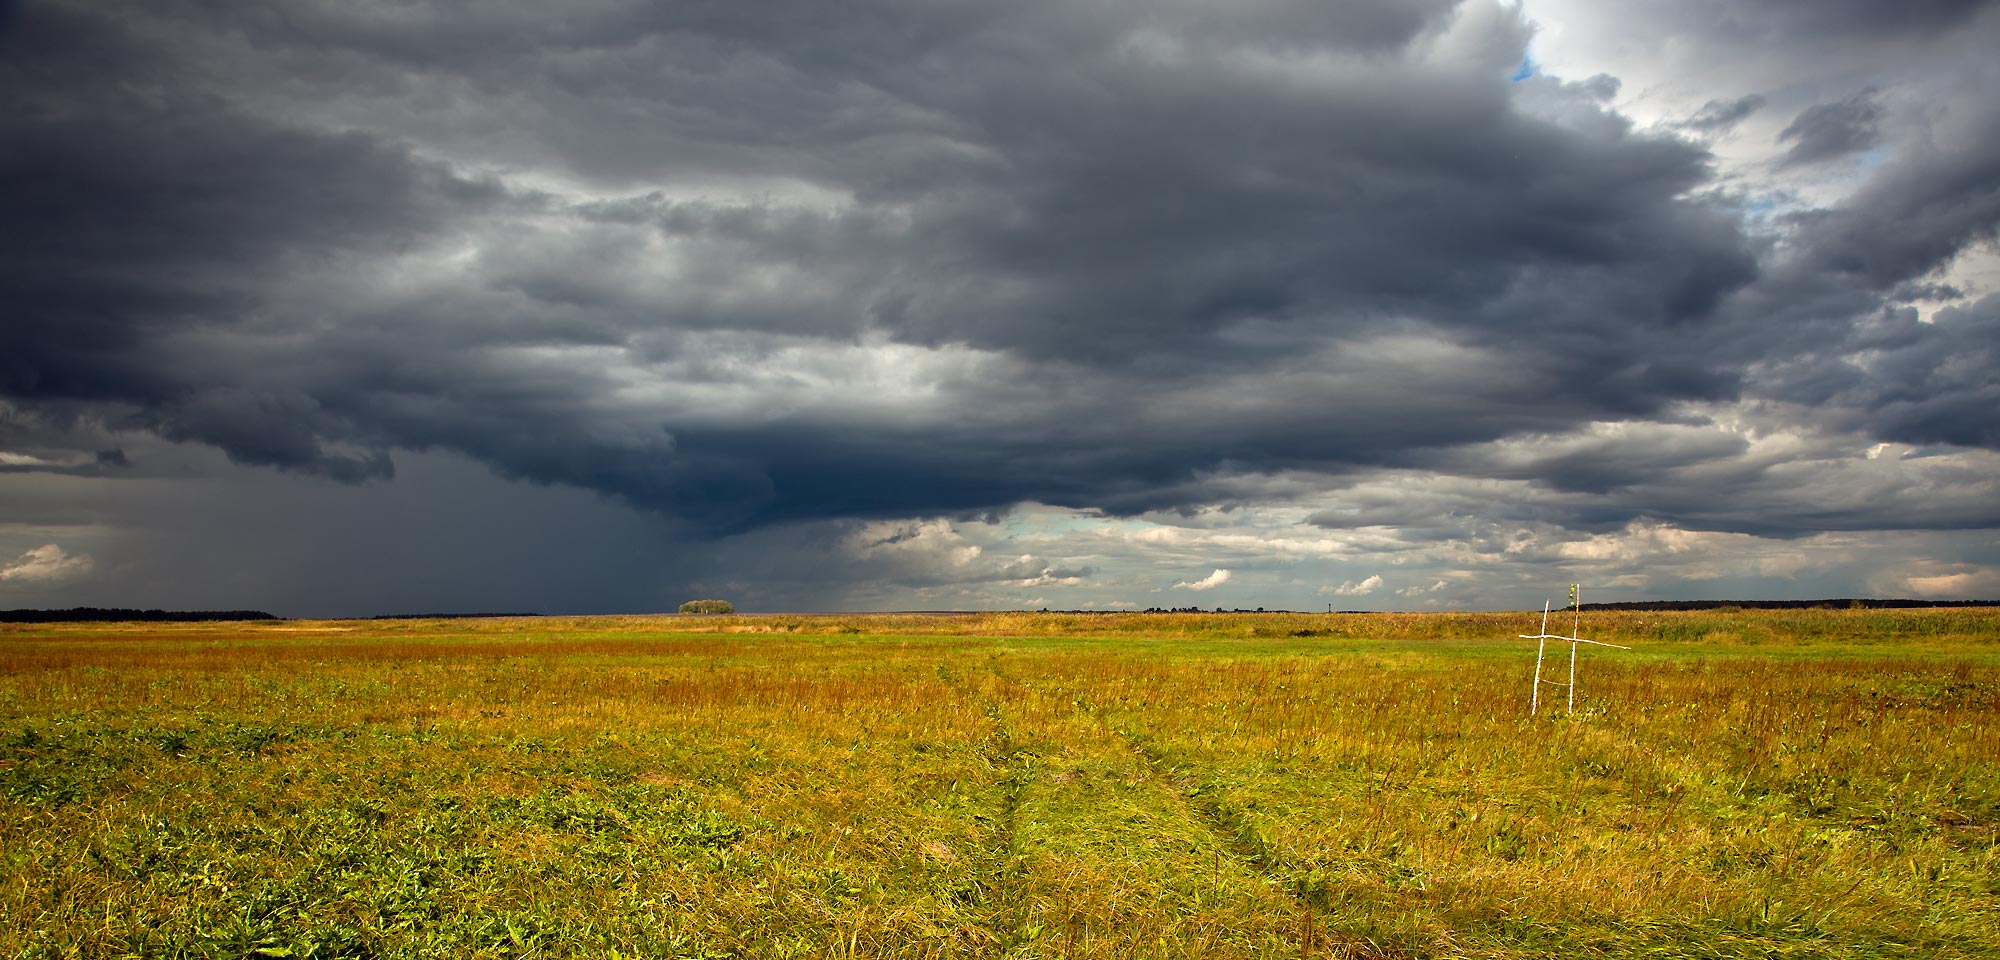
(1800, 783)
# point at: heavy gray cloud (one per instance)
(764, 267)
(1828, 130)
(1784, 21)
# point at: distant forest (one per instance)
(1841, 604)
(1787, 604)
(447, 616)
(88, 614)
(83, 614)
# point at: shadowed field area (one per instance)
(1741, 784)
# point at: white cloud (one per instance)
(1686, 554)
(1352, 589)
(930, 552)
(1248, 544)
(47, 564)
(1050, 578)
(1210, 582)
(1974, 584)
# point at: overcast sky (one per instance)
(330, 307)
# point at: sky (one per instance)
(329, 308)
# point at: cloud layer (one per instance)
(46, 564)
(1210, 582)
(855, 277)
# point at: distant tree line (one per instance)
(447, 616)
(87, 614)
(708, 606)
(1849, 603)
(1216, 610)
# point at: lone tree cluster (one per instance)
(708, 606)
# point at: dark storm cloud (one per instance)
(1782, 21)
(1916, 213)
(1909, 381)
(1829, 130)
(744, 265)
(137, 211)
(1844, 349)
(1800, 494)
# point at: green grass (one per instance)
(1741, 784)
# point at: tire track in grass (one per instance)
(1001, 859)
(1112, 866)
(1234, 831)
(1007, 756)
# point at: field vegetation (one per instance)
(1813, 783)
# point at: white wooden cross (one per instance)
(1576, 605)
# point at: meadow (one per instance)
(1814, 783)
